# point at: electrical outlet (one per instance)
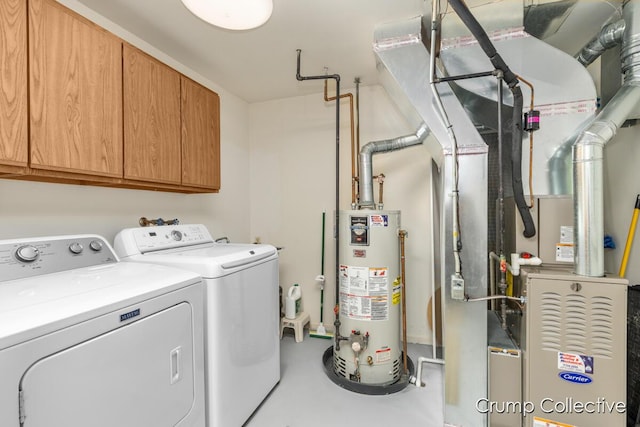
(457, 287)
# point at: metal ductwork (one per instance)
(609, 36)
(568, 24)
(588, 150)
(366, 160)
(403, 63)
(565, 107)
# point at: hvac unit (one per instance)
(574, 349)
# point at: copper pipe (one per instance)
(531, 107)
(403, 234)
(353, 158)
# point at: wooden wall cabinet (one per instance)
(79, 105)
(75, 86)
(151, 119)
(171, 126)
(200, 136)
(13, 86)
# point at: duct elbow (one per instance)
(609, 36)
(365, 160)
(368, 149)
(597, 135)
(422, 133)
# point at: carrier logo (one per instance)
(572, 377)
(130, 315)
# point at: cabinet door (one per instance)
(151, 119)
(75, 93)
(13, 84)
(200, 136)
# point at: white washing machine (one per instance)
(242, 311)
(86, 340)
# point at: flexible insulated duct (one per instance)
(588, 176)
(511, 80)
(366, 160)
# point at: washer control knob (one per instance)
(96, 245)
(176, 235)
(76, 248)
(27, 253)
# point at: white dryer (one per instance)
(86, 340)
(242, 345)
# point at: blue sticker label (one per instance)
(579, 363)
(379, 220)
(574, 377)
(130, 315)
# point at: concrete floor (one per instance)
(307, 397)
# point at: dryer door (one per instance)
(141, 374)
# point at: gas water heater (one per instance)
(367, 348)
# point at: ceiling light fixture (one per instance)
(232, 14)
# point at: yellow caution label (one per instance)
(397, 291)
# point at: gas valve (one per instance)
(358, 341)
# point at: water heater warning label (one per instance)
(364, 292)
(383, 355)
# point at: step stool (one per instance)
(296, 324)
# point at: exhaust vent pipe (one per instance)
(588, 150)
(383, 146)
(610, 36)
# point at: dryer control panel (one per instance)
(23, 258)
(134, 241)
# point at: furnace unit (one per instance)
(573, 339)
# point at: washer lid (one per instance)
(35, 306)
(211, 260)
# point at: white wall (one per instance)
(38, 209)
(277, 178)
(293, 182)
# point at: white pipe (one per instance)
(417, 378)
(495, 257)
(517, 261)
